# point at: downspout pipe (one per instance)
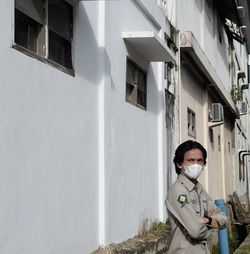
(248, 200)
(243, 160)
(240, 162)
(222, 233)
(248, 72)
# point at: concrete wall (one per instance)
(49, 146)
(194, 95)
(187, 13)
(206, 33)
(196, 101)
(241, 144)
(201, 18)
(242, 124)
(79, 165)
(132, 144)
(192, 100)
(229, 151)
(216, 47)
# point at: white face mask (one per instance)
(192, 171)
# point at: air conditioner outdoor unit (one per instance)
(244, 86)
(241, 74)
(243, 107)
(217, 112)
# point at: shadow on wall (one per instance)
(91, 60)
(155, 95)
(199, 4)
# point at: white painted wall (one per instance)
(48, 147)
(195, 16)
(188, 12)
(133, 144)
(169, 9)
(79, 165)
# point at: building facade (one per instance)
(214, 80)
(93, 104)
(84, 151)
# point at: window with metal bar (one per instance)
(136, 85)
(45, 29)
(191, 123)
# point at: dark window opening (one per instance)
(46, 31)
(136, 85)
(60, 50)
(191, 123)
(26, 31)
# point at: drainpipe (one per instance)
(222, 233)
(243, 161)
(248, 71)
(240, 163)
(246, 154)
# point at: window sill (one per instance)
(44, 60)
(136, 104)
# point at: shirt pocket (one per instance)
(196, 205)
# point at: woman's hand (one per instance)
(213, 211)
(209, 217)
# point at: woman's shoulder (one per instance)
(177, 188)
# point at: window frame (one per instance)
(128, 97)
(43, 54)
(191, 122)
(219, 143)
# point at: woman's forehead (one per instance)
(194, 153)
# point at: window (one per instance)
(136, 86)
(168, 72)
(191, 123)
(219, 143)
(43, 28)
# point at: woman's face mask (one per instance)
(192, 171)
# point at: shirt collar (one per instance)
(188, 183)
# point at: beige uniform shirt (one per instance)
(186, 204)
